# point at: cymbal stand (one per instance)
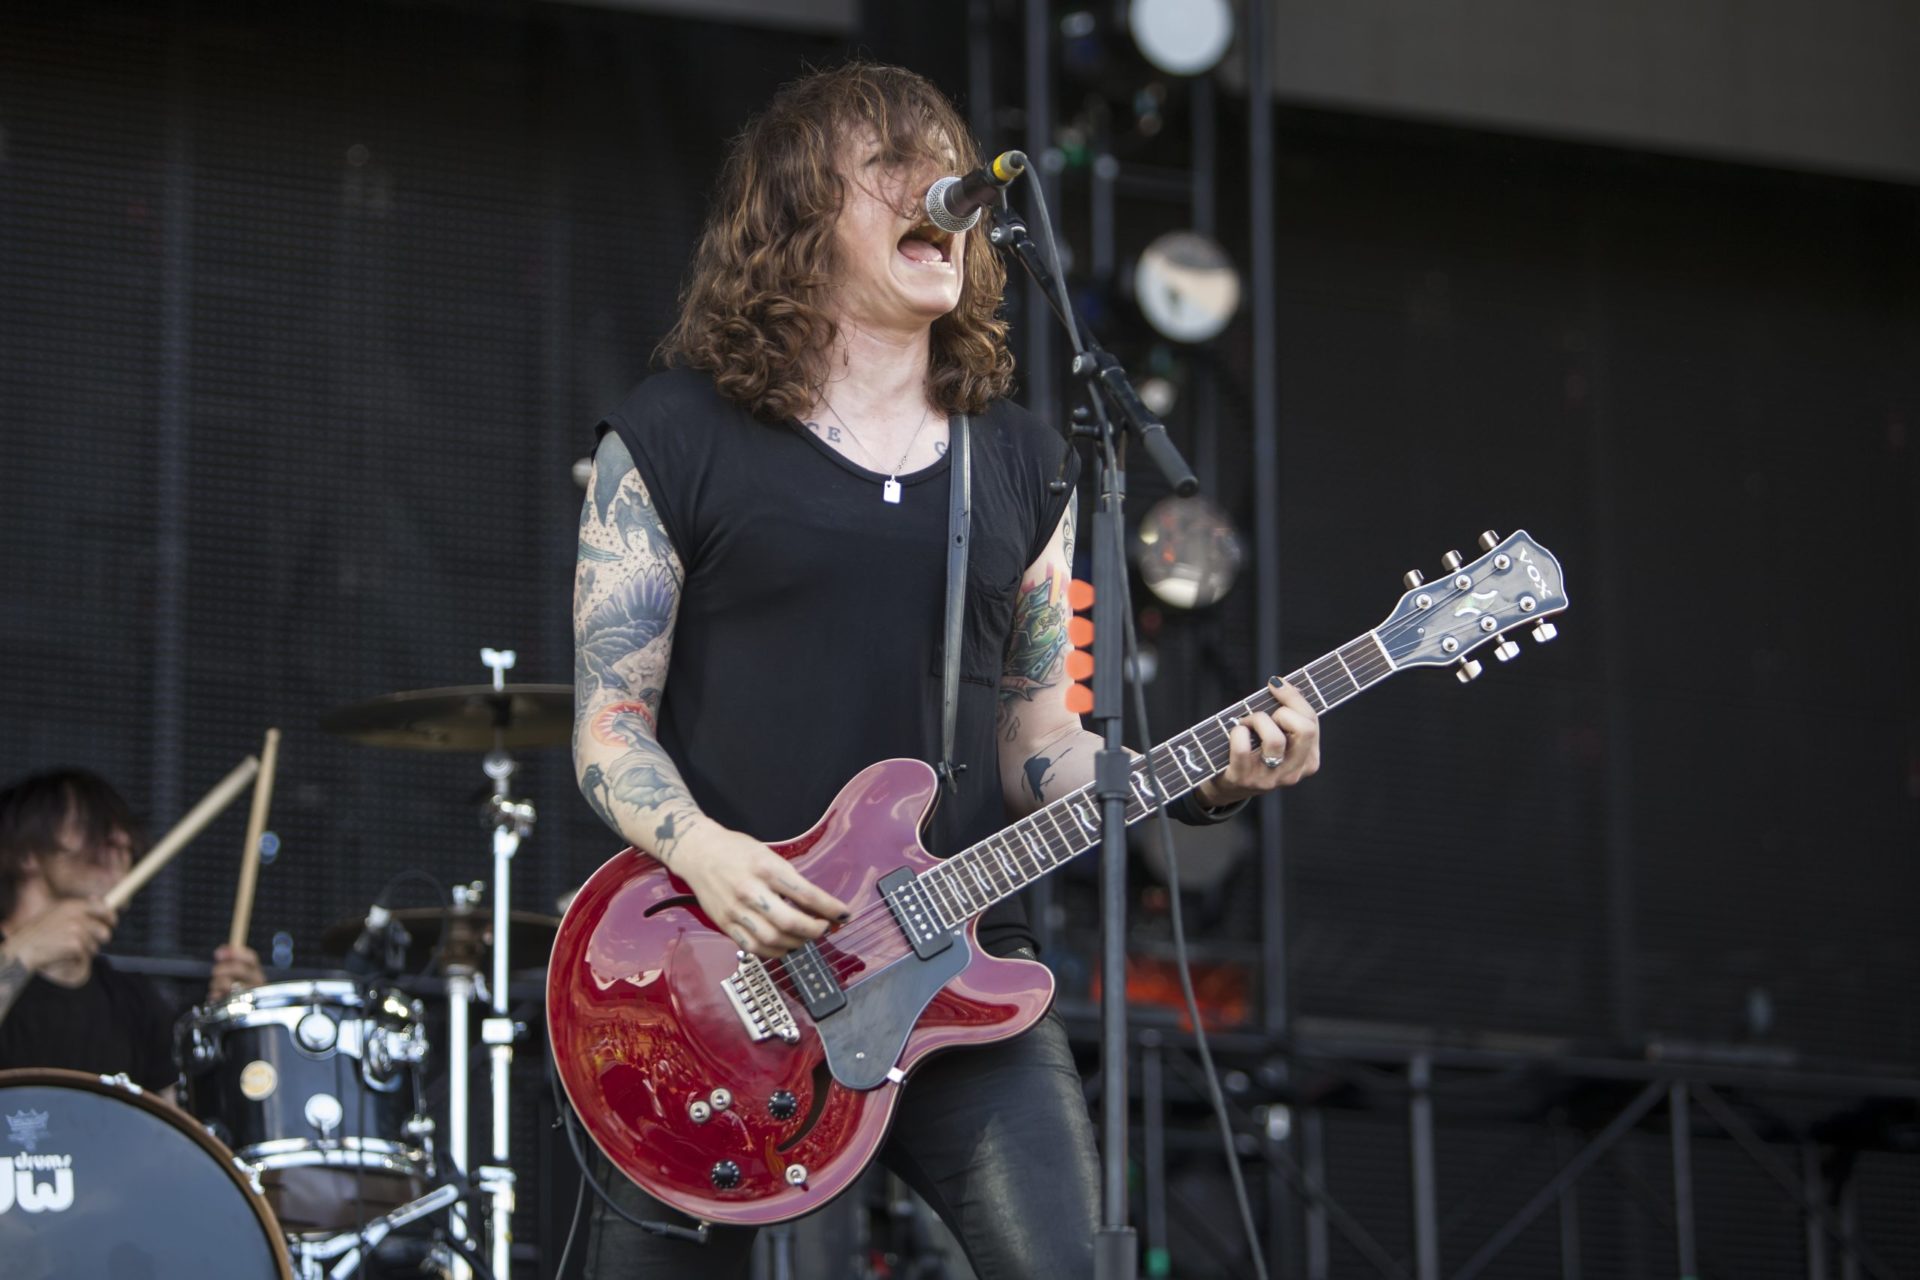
(460, 961)
(512, 821)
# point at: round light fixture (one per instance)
(1186, 286)
(1187, 552)
(1182, 37)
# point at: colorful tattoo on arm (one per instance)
(626, 595)
(1037, 648)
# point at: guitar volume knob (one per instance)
(783, 1105)
(725, 1175)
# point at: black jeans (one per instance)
(996, 1139)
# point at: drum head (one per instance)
(104, 1182)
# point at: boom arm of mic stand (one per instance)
(1091, 363)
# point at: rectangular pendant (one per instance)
(891, 491)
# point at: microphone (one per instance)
(954, 204)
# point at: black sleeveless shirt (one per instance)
(808, 642)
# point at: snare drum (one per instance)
(98, 1178)
(317, 1085)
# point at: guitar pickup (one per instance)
(813, 978)
(913, 912)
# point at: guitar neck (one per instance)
(966, 884)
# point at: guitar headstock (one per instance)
(1515, 585)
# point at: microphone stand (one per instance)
(1112, 408)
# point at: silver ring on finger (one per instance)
(1273, 762)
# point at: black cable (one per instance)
(697, 1235)
(1165, 827)
(573, 1228)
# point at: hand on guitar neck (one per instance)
(1269, 750)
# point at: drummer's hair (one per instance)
(33, 816)
(754, 309)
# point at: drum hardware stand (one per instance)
(354, 1247)
(512, 821)
(460, 959)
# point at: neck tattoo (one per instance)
(889, 491)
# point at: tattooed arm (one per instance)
(1045, 754)
(626, 596)
(62, 939)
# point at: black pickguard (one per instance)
(864, 1040)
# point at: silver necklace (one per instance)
(890, 491)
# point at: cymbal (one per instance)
(531, 939)
(459, 719)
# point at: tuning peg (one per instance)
(1467, 669)
(1489, 540)
(1413, 578)
(1506, 650)
(1544, 631)
(1452, 559)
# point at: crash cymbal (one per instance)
(531, 943)
(460, 719)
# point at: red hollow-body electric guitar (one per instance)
(746, 1091)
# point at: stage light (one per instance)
(1187, 552)
(1158, 394)
(1186, 286)
(1182, 37)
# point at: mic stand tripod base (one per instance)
(354, 1247)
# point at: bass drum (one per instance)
(104, 1180)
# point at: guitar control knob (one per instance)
(726, 1176)
(1453, 559)
(782, 1105)
(1413, 578)
(1468, 670)
(1544, 631)
(1489, 540)
(1506, 650)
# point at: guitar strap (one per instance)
(959, 525)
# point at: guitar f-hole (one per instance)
(822, 1081)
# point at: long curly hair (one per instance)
(753, 312)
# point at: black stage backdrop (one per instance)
(305, 314)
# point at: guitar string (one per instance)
(875, 923)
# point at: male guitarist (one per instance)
(758, 613)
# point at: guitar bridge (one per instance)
(751, 991)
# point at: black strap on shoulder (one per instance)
(959, 522)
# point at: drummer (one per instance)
(66, 838)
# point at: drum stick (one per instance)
(184, 830)
(256, 827)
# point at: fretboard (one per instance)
(964, 885)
